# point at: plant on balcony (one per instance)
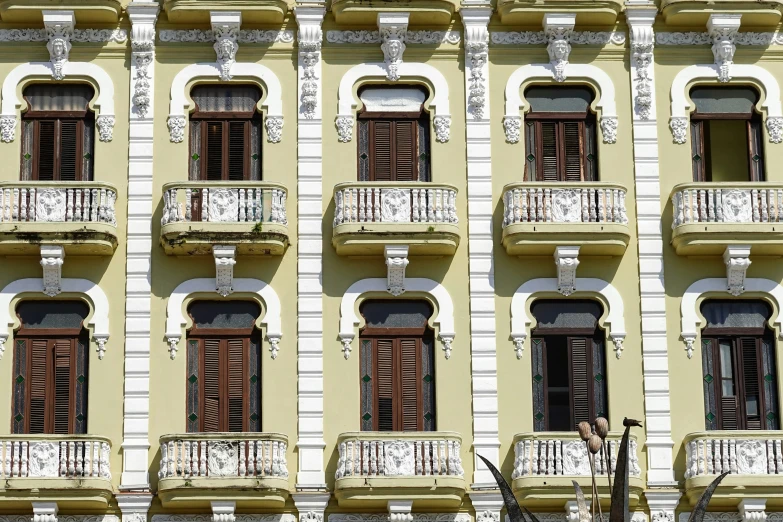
(619, 508)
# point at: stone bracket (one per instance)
(566, 261)
(396, 262)
(393, 28)
(52, 257)
(223, 511)
(557, 30)
(59, 27)
(45, 511)
(722, 28)
(400, 510)
(753, 509)
(225, 28)
(225, 259)
(737, 259)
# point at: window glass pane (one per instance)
(582, 314)
(726, 369)
(735, 313)
(752, 406)
(58, 97)
(559, 99)
(724, 100)
(396, 314)
(224, 314)
(222, 98)
(52, 314)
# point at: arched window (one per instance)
(50, 368)
(738, 360)
(225, 133)
(569, 366)
(726, 135)
(224, 367)
(397, 367)
(57, 133)
(560, 135)
(394, 139)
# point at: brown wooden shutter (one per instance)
(548, 154)
(580, 379)
(405, 151)
(63, 370)
(236, 381)
(751, 389)
(211, 385)
(573, 150)
(381, 151)
(755, 149)
(729, 413)
(214, 150)
(411, 390)
(237, 153)
(46, 144)
(69, 148)
(385, 382)
(38, 386)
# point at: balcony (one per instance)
(85, 11)
(368, 216)
(754, 458)
(79, 216)
(247, 468)
(531, 12)
(72, 470)
(375, 467)
(250, 215)
(422, 12)
(538, 217)
(707, 217)
(253, 11)
(545, 464)
(694, 13)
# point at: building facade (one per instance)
(268, 260)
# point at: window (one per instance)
(738, 360)
(394, 138)
(397, 367)
(224, 367)
(50, 368)
(560, 135)
(57, 133)
(726, 135)
(569, 369)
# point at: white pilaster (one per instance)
(475, 17)
(310, 443)
(134, 506)
(135, 444)
(657, 403)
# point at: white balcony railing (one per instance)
(739, 453)
(57, 202)
(395, 203)
(224, 202)
(566, 455)
(564, 203)
(727, 203)
(192, 455)
(399, 455)
(34, 456)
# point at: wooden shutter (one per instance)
(381, 151)
(405, 151)
(69, 149)
(729, 415)
(214, 150)
(548, 153)
(751, 387)
(755, 149)
(63, 371)
(573, 152)
(384, 371)
(46, 144)
(211, 386)
(38, 385)
(590, 151)
(236, 380)
(393, 150)
(698, 160)
(237, 154)
(411, 390)
(581, 371)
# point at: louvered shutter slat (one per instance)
(580, 385)
(69, 141)
(37, 415)
(236, 150)
(750, 375)
(236, 395)
(385, 380)
(46, 147)
(572, 133)
(729, 412)
(382, 150)
(214, 160)
(549, 150)
(211, 381)
(410, 380)
(405, 150)
(62, 385)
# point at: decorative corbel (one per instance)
(45, 511)
(519, 342)
(753, 509)
(617, 340)
(309, 40)
(640, 22)
(475, 17)
(400, 510)
(722, 28)
(3, 339)
(737, 259)
(346, 340)
(143, 54)
(59, 30)
(557, 29)
(173, 341)
(396, 262)
(223, 511)
(690, 340)
(274, 345)
(446, 338)
(225, 28)
(225, 259)
(101, 342)
(52, 257)
(566, 261)
(392, 28)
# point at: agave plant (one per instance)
(620, 507)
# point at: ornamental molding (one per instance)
(722, 29)
(347, 104)
(78, 35)
(691, 320)
(566, 261)
(59, 27)
(571, 510)
(641, 58)
(681, 106)
(105, 126)
(98, 322)
(383, 517)
(142, 56)
(225, 259)
(547, 71)
(476, 52)
(396, 263)
(614, 323)
(349, 321)
(392, 28)
(208, 518)
(181, 105)
(540, 38)
(177, 319)
(249, 36)
(737, 260)
(734, 516)
(697, 38)
(222, 510)
(309, 37)
(557, 30)
(225, 29)
(52, 258)
(423, 37)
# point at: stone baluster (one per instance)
(362, 215)
(770, 457)
(754, 202)
(24, 464)
(778, 457)
(6, 457)
(15, 210)
(583, 203)
(202, 458)
(733, 455)
(415, 204)
(512, 206)
(354, 206)
(764, 214)
(377, 205)
(591, 199)
(178, 449)
(23, 205)
(609, 206)
(548, 205)
(535, 459)
(718, 205)
(7, 204)
(79, 459)
(701, 464)
(779, 198)
(171, 456)
(558, 457)
(102, 208)
(724, 452)
(205, 195)
(703, 216)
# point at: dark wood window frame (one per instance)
(395, 157)
(56, 119)
(700, 160)
(566, 158)
(229, 124)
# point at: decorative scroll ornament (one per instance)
(176, 126)
(566, 261)
(59, 30)
(311, 516)
(225, 28)
(7, 128)
(689, 342)
(696, 38)
(346, 346)
(488, 516)
(52, 257)
(679, 127)
(723, 29)
(737, 259)
(442, 126)
(44, 459)
(274, 346)
(222, 460)
(446, 340)
(225, 259)
(751, 457)
(567, 206)
(519, 345)
(252, 36)
(663, 516)
(173, 346)
(223, 205)
(101, 348)
(50, 205)
(775, 129)
(398, 459)
(642, 55)
(538, 38)
(392, 28)
(617, 340)
(105, 125)
(274, 128)
(395, 205)
(477, 49)
(411, 37)
(512, 126)
(396, 263)
(344, 126)
(143, 52)
(609, 129)
(79, 35)
(736, 206)
(309, 53)
(558, 29)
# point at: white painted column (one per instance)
(310, 443)
(657, 403)
(475, 17)
(135, 444)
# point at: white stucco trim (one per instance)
(614, 322)
(606, 98)
(349, 321)
(98, 322)
(177, 319)
(691, 322)
(681, 107)
(180, 101)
